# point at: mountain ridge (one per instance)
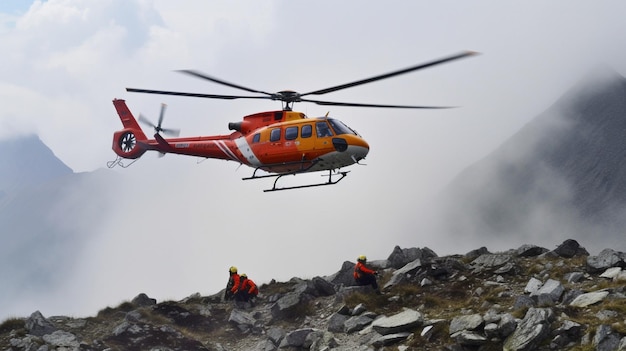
(564, 166)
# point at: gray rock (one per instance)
(570, 248)
(403, 321)
(143, 300)
(523, 301)
(507, 325)
(469, 322)
(286, 304)
(61, 339)
(476, 253)
(530, 250)
(552, 289)
(607, 258)
(358, 309)
(264, 345)
(533, 285)
(611, 273)
(400, 275)
(531, 331)
(606, 339)
(275, 335)
(389, 339)
(336, 323)
(356, 323)
(490, 262)
(243, 320)
(38, 325)
(470, 338)
(323, 287)
(345, 275)
(400, 257)
(590, 298)
(296, 338)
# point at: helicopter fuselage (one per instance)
(276, 142)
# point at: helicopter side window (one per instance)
(323, 130)
(256, 138)
(291, 133)
(307, 131)
(275, 134)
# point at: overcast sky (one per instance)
(64, 61)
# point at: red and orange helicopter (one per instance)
(280, 143)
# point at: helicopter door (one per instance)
(324, 135)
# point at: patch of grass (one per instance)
(373, 302)
(276, 288)
(406, 290)
(12, 324)
(108, 312)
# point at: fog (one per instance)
(171, 226)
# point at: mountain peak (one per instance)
(28, 161)
(563, 172)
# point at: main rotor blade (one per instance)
(219, 81)
(209, 96)
(391, 74)
(354, 104)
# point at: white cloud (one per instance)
(65, 60)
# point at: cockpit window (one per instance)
(341, 128)
(323, 130)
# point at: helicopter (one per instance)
(278, 143)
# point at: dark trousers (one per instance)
(368, 279)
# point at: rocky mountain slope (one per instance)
(529, 298)
(561, 173)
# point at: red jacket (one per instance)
(249, 286)
(233, 283)
(361, 269)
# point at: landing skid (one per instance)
(118, 162)
(329, 181)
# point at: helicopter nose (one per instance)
(360, 147)
(355, 146)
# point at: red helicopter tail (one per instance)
(126, 141)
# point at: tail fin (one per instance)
(127, 118)
(126, 141)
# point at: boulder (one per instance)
(143, 300)
(590, 298)
(607, 258)
(38, 325)
(403, 321)
(400, 257)
(570, 248)
(531, 331)
(469, 322)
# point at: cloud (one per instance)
(176, 225)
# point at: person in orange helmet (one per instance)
(232, 287)
(248, 289)
(364, 275)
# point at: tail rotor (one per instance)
(157, 128)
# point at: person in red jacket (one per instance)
(232, 287)
(364, 275)
(248, 290)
